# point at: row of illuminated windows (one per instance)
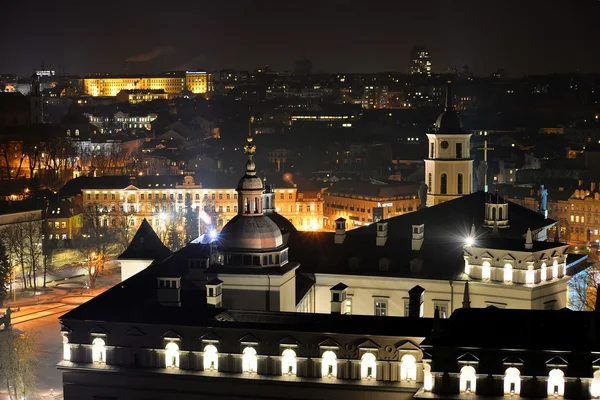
(512, 382)
(486, 272)
(156, 196)
(289, 361)
(381, 309)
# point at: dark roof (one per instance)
(339, 286)
(368, 189)
(303, 285)
(537, 329)
(441, 254)
(282, 223)
(145, 245)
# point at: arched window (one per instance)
(530, 276)
(249, 360)
(512, 382)
(427, 378)
(508, 273)
(368, 366)
(288, 362)
(494, 214)
(499, 213)
(556, 383)
(459, 184)
(211, 358)
(98, 351)
(543, 272)
(66, 348)
(429, 185)
(444, 184)
(329, 364)
(595, 386)
(408, 368)
(555, 269)
(486, 270)
(256, 205)
(247, 206)
(468, 379)
(172, 355)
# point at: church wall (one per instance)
(288, 292)
(132, 267)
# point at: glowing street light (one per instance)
(469, 241)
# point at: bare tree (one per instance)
(18, 365)
(32, 227)
(583, 288)
(13, 237)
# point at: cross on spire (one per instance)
(485, 149)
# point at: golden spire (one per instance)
(250, 148)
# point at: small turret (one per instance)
(466, 303)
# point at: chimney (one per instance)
(340, 230)
(214, 293)
(338, 297)
(382, 233)
(436, 331)
(168, 293)
(528, 240)
(466, 303)
(418, 235)
(415, 302)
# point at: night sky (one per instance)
(82, 37)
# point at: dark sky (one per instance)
(86, 36)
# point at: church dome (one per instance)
(251, 182)
(257, 232)
(449, 121)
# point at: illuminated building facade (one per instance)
(171, 82)
(375, 97)
(420, 61)
(362, 203)
(136, 96)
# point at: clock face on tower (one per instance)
(444, 145)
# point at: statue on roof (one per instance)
(423, 188)
(543, 198)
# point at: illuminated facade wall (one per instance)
(363, 210)
(196, 82)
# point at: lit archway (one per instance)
(530, 276)
(555, 269)
(172, 355)
(249, 360)
(288, 362)
(556, 383)
(543, 272)
(427, 378)
(486, 271)
(468, 379)
(98, 351)
(512, 381)
(508, 273)
(595, 386)
(66, 348)
(211, 358)
(329, 364)
(368, 366)
(408, 368)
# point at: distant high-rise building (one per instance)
(303, 67)
(420, 61)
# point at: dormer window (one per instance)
(168, 283)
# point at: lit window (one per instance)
(368, 366)
(442, 307)
(512, 382)
(408, 368)
(486, 270)
(249, 360)
(556, 383)
(543, 274)
(211, 358)
(348, 305)
(595, 386)
(468, 379)
(288, 362)
(98, 351)
(427, 378)
(555, 269)
(508, 273)
(530, 276)
(329, 364)
(66, 348)
(572, 218)
(467, 267)
(381, 308)
(172, 355)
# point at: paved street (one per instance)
(39, 314)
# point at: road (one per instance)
(40, 314)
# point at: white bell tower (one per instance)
(449, 166)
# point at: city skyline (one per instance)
(337, 36)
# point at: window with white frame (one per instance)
(249, 360)
(329, 364)
(98, 351)
(368, 366)
(512, 382)
(381, 307)
(442, 307)
(556, 383)
(408, 368)
(172, 355)
(66, 348)
(289, 363)
(406, 307)
(348, 305)
(211, 358)
(468, 379)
